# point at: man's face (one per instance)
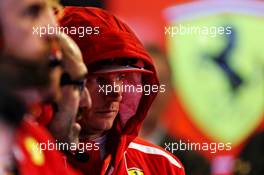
(105, 107)
(74, 98)
(17, 19)
(74, 94)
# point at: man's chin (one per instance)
(76, 129)
(75, 141)
(107, 125)
(95, 127)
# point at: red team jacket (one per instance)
(127, 154)
(30, 160)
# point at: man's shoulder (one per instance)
(146, 150)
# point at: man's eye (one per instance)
(80, 87)
(101, 80)
(121, 77)
(33, 11)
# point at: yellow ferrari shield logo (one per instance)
(218, 71)
(135, 171)
(37, 156)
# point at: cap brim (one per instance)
(118, 68)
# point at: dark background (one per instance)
(94, 3)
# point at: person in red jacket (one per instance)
(123, 83)
(39, 150)
(28, 52)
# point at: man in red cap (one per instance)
(123, 83)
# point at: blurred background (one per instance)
(214, 85)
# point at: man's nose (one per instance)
(116, 93)
(48, 21)
(86, 100)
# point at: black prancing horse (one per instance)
(221, 60)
